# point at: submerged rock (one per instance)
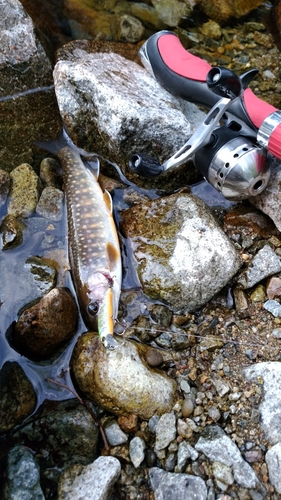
(4, 186)
(22, 476)
(50, 204)
(222, 11)
(12, 230)
(24, 192)
(62, 436)
(44, 327)
(17, 396)
(183, 257)
(121, 381)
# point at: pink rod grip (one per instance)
(274, 143)
(257, 109)
(180, 60)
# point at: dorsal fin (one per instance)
(107, 200)
(112, 255)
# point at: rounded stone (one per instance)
(44, 327)
(120, 381)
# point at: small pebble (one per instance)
(187, 407)
(153, 357)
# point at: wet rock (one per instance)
(165, 431)
(120, 380)
(42, 272)
(4, 186)
(130, 29)
(128, 423)
(147, 14)
(171, 11)
(270, 375)
(218, 447)
(26, 73)
(12, 230)
(24, 192)
(22, 476)
(137, 451)
(183, 486)
(264, 264)
(17, 396)
(49, 172)
(56, 435)
(94, 481)
(44, 327)
(222, 11)
(50, 204)
(133, 97)
(88, 22)
(273, 462)
(183, 256)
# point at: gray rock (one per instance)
(183, 456)
(137, 451)
(269, 408)
(171, 12)
(180, 486)
(23, 476)
(223, 475)
(273, 461)
(264, 264)
(273, 307)
(130, 29)
(183, 256)
(91, 482)
(146, 117)
(218, 447)
(50, 204)
(114, 434)
(221, 386)
(165, 431)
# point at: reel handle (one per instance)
(185, 75)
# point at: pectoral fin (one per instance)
(112, 255)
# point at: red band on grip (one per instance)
(274, 142)
(180, 60)
(257, 109)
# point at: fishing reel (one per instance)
(227, 148)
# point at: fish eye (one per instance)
(93, 308)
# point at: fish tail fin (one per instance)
(55, 145)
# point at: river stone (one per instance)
(24, 192)
(62, 434)
(45, 326)
(222, 11)
(120, 380)
(183, 257)
(146, 117)
(273, 462)
(23, 476)
(92, 482)
(172, 11)
(270, 409)
(50, 204)
(167, 485)
(17, 396)
(264, 264)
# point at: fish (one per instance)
(93, 243)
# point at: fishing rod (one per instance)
(230, 147)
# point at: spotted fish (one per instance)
(94, 251)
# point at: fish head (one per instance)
(101, 306)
